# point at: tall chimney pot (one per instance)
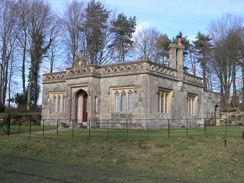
(179, 38)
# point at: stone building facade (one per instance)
(129, 90)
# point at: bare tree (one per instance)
(23, 37)
(146, 45)
(7, 41)
(42, 24)
(54, 58)
(225, 55)
(242, 61)
(72, 21)
(192, 61)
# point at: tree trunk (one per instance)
(9, 83)
(242, 71)
(23, 66)
(1, 89)
(234, 80)
(204, 75)
(30, 86)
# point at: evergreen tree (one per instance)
(94, 28)
(184, 41)
(162, 47)
(122, 28)
(203, 46)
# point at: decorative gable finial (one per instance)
(80, 61)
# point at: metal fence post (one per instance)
(30, 126)
(205, 127)
(168, 129)
(89, 126)
(73, 129)
(147, 134)
(226, 126)
(19, 126)
(57, 126)
(127, 129)
(107, 130)
(8, 127)
(187, 127)
(43, 127)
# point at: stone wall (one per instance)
(144, 78)
(232, 118)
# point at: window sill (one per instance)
(122, 112)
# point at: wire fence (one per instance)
(129, 128)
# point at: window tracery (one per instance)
(123, 100)
(164, 101)
(58, 102)
(192, 104)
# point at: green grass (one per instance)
(112, 133)
(120, 155)
(190, 159)
(15, 129)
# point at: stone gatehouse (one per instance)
(128, 90)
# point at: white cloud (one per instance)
(192, 37)
(142, 26)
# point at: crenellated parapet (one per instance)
(125, 68)
(54, 76)
(193, 79)
(82, 70)
(122, 67)
(162, 70)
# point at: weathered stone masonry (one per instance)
(131, 90)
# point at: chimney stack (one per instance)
(172, 55)
(176, 54)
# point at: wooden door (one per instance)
(85, 114)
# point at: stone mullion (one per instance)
(160, 96)
(189, 105)
(166, 102)
(61, 103)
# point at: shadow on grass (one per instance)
(21, 169)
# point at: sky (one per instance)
(171, 16)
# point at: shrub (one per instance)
(26, 118)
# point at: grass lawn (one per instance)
(120, 134)
(179, 159)
(15, 129)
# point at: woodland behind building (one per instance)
(34, 39)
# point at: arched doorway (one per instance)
(81, 100)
